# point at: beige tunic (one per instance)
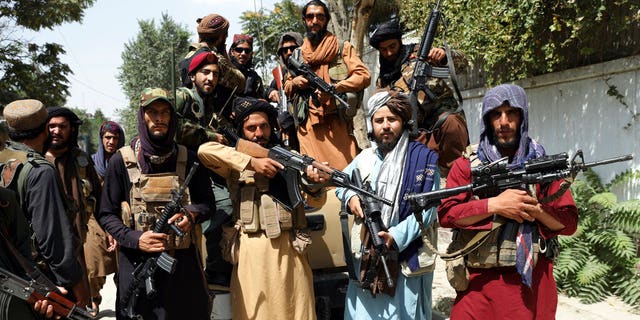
(271, 279)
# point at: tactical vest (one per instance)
(258, 211)
(151, 192)
(499, 248)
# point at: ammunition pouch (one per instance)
(259, 211)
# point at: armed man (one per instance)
(441, 122)
(140, 181)
(82, 187)
(271, 276)
(326, 128)
(41, 197)
(241, 55)
(396, 166)
(511, 273)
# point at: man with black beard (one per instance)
(241, 55)
(394, 167)
(82, 187)
(326, 132)
(140, 181)
(443, 127)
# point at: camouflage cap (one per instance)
(150, 95)
(24, 115)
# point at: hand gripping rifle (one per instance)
(294, 164)
(315, 82)
(32, 291)
(493, 178)
(373, 222)
(145, 271)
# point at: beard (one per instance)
(49, 144)
(315, 37)
(388, 145)
(158, 137)
(508, 145)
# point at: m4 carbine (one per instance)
(145, 271)
(32, 291)
(373, 222)
(315, 82)
(493, 178)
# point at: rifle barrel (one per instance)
(608, 161)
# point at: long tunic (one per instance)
(412, 299)
(271, 279)
(324, 136)
(182, 295)
(498, 293)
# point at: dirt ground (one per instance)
(568, 308)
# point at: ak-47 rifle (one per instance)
(32, 291)
(145, 272)
(302, 69)
(493, 178)
(373, 222)
(294, 164)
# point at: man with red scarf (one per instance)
(515, 286)
(322, 133)
(153, 152)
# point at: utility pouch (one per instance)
(456, 269)
(269, 216)
(248, 209)
(230, 242)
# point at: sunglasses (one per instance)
(287, 49)
(319, 16)
(240, 50)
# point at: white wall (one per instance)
(571, 109)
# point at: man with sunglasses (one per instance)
(325, 132)
(289, 42)
(241, 55)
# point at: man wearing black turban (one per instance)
(443, 127)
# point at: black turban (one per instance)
(384, 31)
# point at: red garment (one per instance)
(498, 293)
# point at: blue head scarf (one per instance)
(99, 158)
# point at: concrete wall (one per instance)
(576, 109)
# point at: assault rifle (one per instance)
(373, 222)
(145, 271)
(493, 178)
(294, 164)
(315, 82)
(423, 69)
(32, 291)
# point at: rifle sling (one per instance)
(452, 67)
(346, 242)
(475, 242)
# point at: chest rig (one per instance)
(151, 192)
(258, 211)
(497, 247)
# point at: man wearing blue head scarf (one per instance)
(510, 275)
